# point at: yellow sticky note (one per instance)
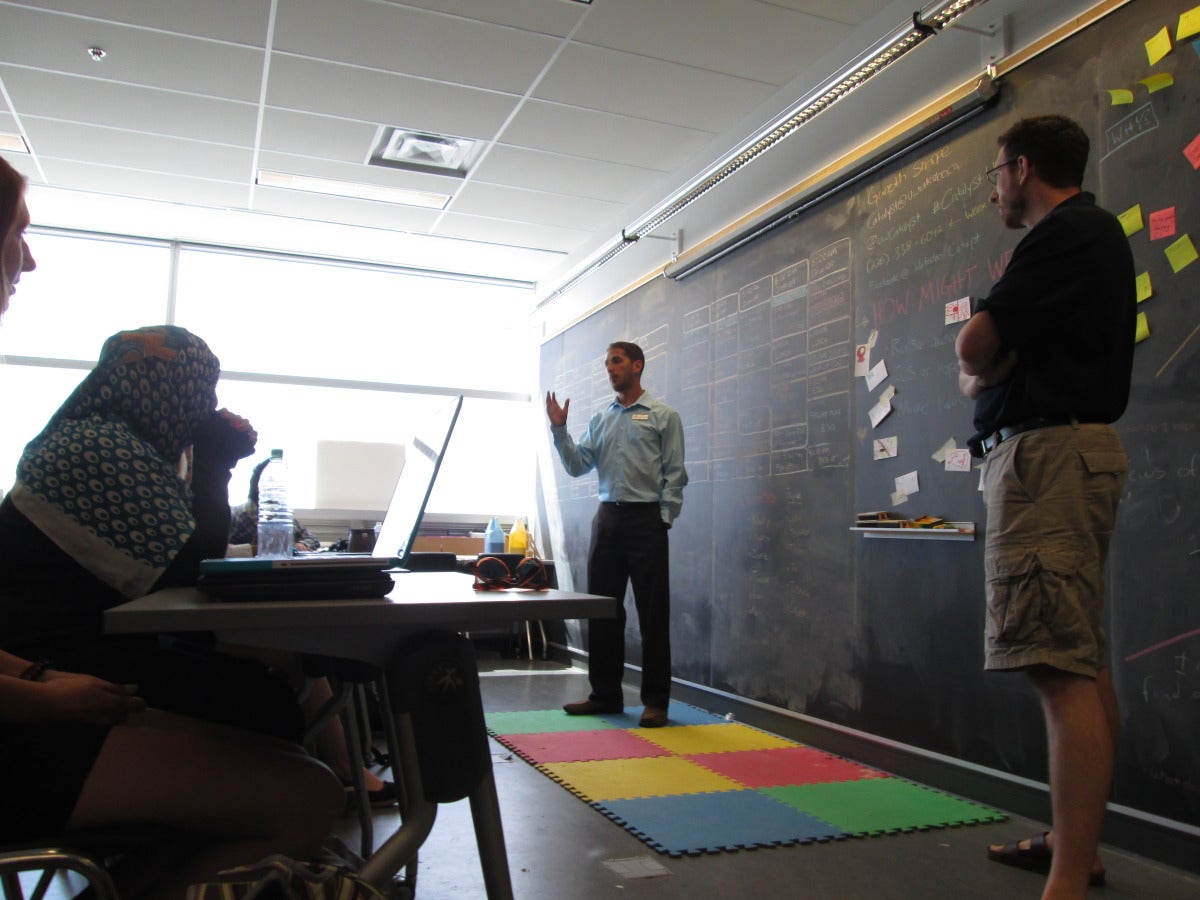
(1143, 329)
(1159, 45)
(1189, 24)
(1181, 253)
(1144, 290)
(1157, 81)
(1120, 96)
(1131, 220)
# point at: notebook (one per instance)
(350, 575)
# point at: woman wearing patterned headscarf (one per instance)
(78, 752)
(101, 513)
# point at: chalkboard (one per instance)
(773, 598)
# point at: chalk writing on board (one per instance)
(1139, 123)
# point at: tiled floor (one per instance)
(558, 845)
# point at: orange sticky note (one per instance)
(1131, 220)
(1157, 81)
(1192, 152)
(1158, 46)
(1144, 290)
(1182, 253)
(1189, 24)
(1120, 96)
(1143, 328)
(1162, 223)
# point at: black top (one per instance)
(1067, 303)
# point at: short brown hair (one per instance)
(12, 186)
(633, 351)
(1055, 145)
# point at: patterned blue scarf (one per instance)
(101, 480)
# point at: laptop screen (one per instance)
(423, 455)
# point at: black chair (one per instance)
(89, 854)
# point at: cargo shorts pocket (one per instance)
(1024, 585)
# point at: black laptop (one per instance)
(348, 575)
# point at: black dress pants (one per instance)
(629, 544)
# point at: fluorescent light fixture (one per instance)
(854, 74)
(423, 151)
(381, 193)
(12, 143)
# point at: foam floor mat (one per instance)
(703, 784)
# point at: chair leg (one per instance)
(355, 753)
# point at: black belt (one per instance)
(996, 438)
(628, 504)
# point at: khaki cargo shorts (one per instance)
(1052, 496)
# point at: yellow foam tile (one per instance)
(628, 779)
(689, 740)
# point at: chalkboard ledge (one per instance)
(959, 531)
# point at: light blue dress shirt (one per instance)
(636, 450)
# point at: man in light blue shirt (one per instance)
(636, 447)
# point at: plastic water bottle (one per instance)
(518, 537)
(493, 538)
(275, 522)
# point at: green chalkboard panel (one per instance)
(773, 598)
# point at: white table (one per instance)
(370, 631)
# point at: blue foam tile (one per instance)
(707, 823)
(677, 714)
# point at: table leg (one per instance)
(489, 835)
(417, 814)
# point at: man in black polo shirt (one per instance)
(1047, 357)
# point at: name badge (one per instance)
(641, 417)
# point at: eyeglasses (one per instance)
(993, 173)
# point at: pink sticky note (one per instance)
(1192, 150)
(1162, 223)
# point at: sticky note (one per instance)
(1158, 46)
(888, 393)
(908, 484)
(1192, 152)
(1144, 290)
(958, 310)
(898, 497)
(1131, 220)
(1158, 81)
(879, 412)
(958, 460)
(1143, 328)
(1120, 96)
(876, 376)
(940, 453)
(885, 448)
(1162, 223)
(872, 337)
(1182, 253)
(1189, 24)
(862, 360)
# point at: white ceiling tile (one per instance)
(370, 213)
(236, 21)
(516, 234)
(413, 42)
(848, 11)
(609, 80)
(754, 40)
(601, 135)
(133, 183)
(134, 55)
(538, 207)
(324, 137)
(386, 99)
(538, 170)
(136, 109)
(360, 173)
(154, 153)
(556, 17)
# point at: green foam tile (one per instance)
(543, 721)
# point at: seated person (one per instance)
(77, 752)
(243, 522)
(100, 514)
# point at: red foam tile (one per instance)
(580, 746)
(783, 766)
